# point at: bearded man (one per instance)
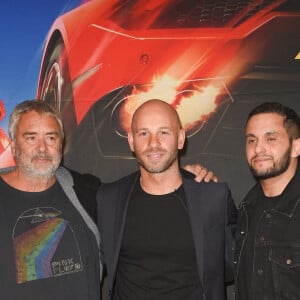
(267, 248)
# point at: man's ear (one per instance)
(181, 138)
(130, 141)
(12, 147)
(295, 148)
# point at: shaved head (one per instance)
(156, 105)
(156, 136)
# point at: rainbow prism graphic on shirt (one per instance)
(38, 234)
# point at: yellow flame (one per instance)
(195, 105)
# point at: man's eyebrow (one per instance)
(271, 132)
(29, 133)
(35, 133)
(52, 133)
(165, 127)
(148, 129)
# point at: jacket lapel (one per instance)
(195, 204)
(125, 192)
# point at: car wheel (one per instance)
(57, 86)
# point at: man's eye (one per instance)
(30, 138)
(50, 138)
(251, 141)
(165, 132)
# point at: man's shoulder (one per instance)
(115, 194)
(84, 185)
(252, 195)
(85, 179)
(126, 181)
(188, 179)
(197, 192)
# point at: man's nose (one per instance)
(260, 147)
(154, 140)
(42, 145)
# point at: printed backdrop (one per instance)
(96, 61)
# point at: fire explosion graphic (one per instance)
(195, 104)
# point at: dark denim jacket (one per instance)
(277, 244)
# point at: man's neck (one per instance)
(275, 186)
(160, 183)
(20, 181)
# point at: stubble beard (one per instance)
(161, 166)
(277, 169)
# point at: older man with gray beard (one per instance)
(49, 243)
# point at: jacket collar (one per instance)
(289, 199)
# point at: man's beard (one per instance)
(31, 171)
(161, 166)
(278, 167)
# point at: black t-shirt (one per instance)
(157, 258)
(47, 250)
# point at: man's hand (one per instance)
(201, 173)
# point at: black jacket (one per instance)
(276, 245)
(212, 215)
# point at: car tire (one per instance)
(56, 87)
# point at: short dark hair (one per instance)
(291, 120)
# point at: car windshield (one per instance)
(162, 14)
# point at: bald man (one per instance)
(164, 236)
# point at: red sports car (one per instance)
(104, 58)
(6, 159)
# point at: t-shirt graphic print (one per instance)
(44, 245)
